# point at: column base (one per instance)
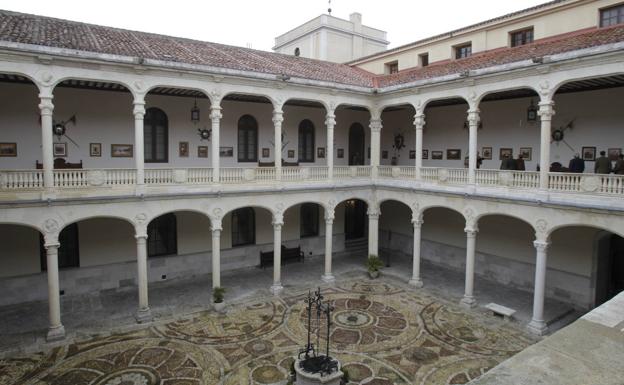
(468, 302)
(276, 288)
(416, 282)
(328, 278)
(56, 333)
(143, 316)
(537, 327)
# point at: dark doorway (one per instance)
(355, 219)
(68, 252)
(610, 270)
(356, 145)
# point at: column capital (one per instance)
(278, 221)
(45, 105)
(375, 125)
(474, 116)
(330, 121)
(471, 231)
(541, 246)
(546, 110)
(216, 231)
(139, 109)
(329, 218)
(278, 116)
(141, 236)
(373, 213)
(215, 112)
(419, 121)
(52, 243)
(417, 221)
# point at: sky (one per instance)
(255, 24)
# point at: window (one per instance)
(156, 136)
(423, 59)
(463, 51)
(306, 141)
(162, 236)
(297, 51)
(247, 139)
(612, 16)
(243, 227)
(392, 68)
(523, 37)
(68, 252)
(309, 216)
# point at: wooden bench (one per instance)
(288, 255)
(501, 310)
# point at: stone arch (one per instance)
(560, 83)
(514, 216)
(95, 216)
(323, 103)
(122, 83)
(614, 230)
(484, 95)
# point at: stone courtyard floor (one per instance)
(383, 333)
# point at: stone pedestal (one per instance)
(305, 378)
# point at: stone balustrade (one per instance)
(32, 180)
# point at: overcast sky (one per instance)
(257, 23)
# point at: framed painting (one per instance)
(95, 150)
(425, 154)
(183, 149)
(526, 153)
(486, 153)
(8, 149)
(412, 154)
(291, 154)
(437, 155)
(505, 153)
(589, 153)
(226, 152)
(453, 154)
(340, 153)
(121, 150)
(384, 154)
(202, 151)
(266, 152)
(60, 149)
(614, 153)
(320, 153)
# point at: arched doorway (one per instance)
(356, 145)
(355, 219)
(609, 268)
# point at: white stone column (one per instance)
(46, 108)
(56, 330)
(471, 242)
(328, 277)
(375, 126)
(537, 324)
(419, 124)
(330, 122)
(278, 118)
(416, 281)
(278, 222)
(216, 253)
(139, 141)
(143, 314)
(546, 113)
(373, 231)
(473, 127)
(215, 118)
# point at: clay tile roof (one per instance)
(553, 45)
(51, 32)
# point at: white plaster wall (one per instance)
(103, 241)
(19, 254)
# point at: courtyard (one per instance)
(384, 332)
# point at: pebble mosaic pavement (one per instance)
(382, 332)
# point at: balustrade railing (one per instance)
(21, 179)
(91, 178)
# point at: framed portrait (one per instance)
(226, 152)
(183, 149)
(8, 149)
(589, 153)
(505, 153)
(202, 151)
(384, 154)
(486, 153)
(526, 153)
(60, 149)
(340, 153)
(412, 154)
(291, 154)
(453, 154)
(121, 150)
(320, 153)
(266, 152)
(95, 149)
(437, 155)
(425, 154)
(614, 153)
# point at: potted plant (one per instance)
(345, 376)
(217, 298)
(373, 264)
